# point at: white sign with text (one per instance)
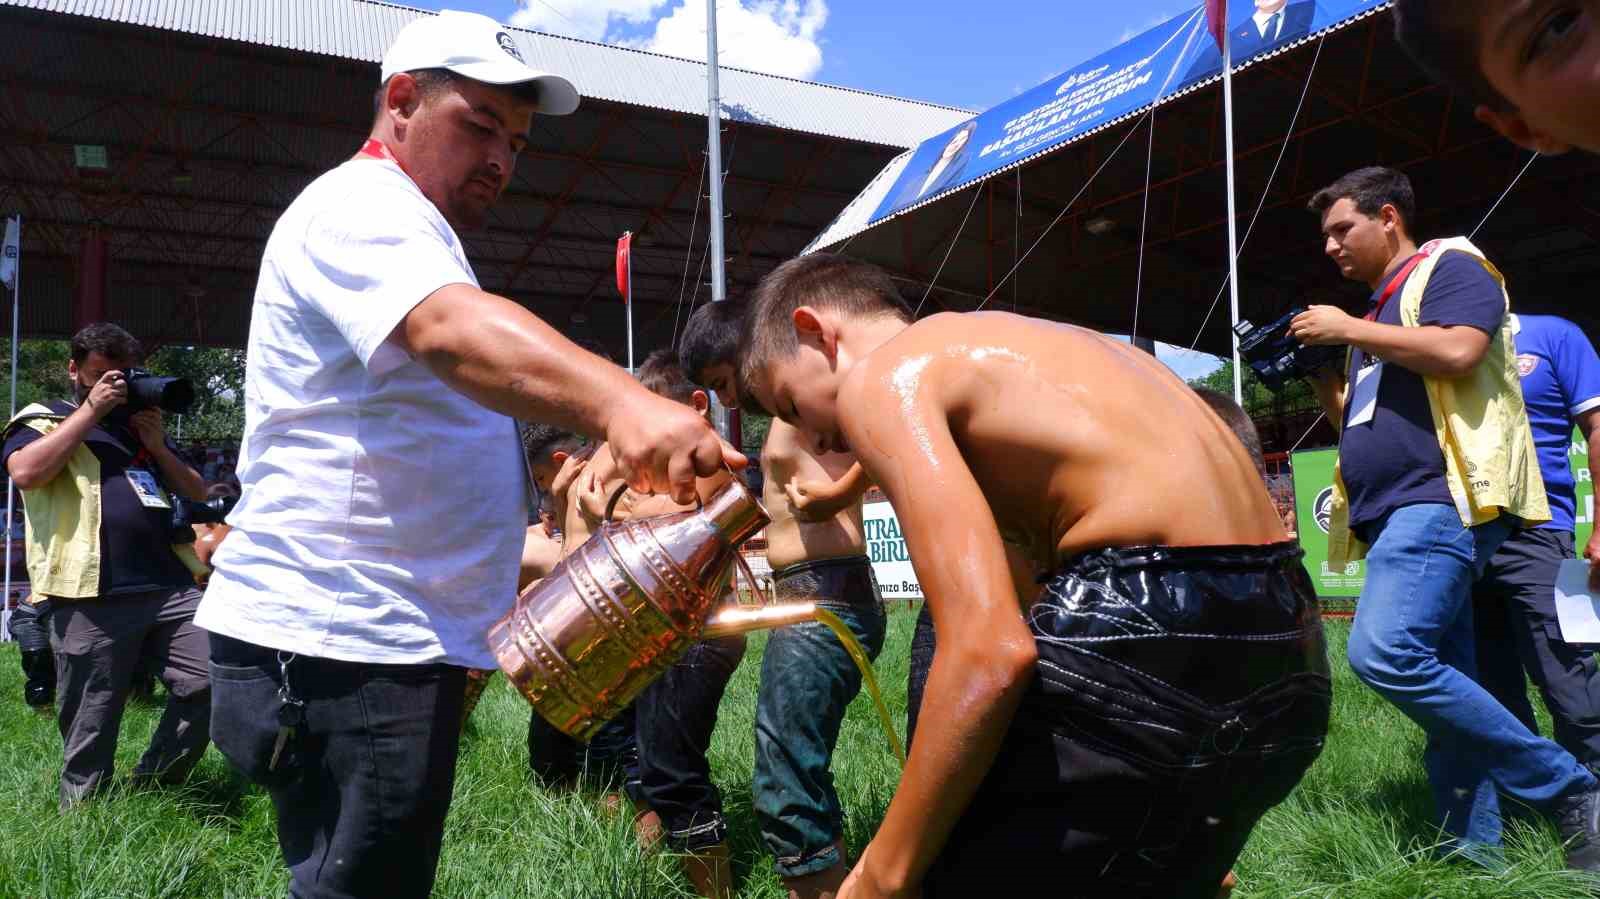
(891, 561)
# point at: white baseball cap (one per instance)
(477, 47)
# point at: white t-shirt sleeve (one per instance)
(370, 261)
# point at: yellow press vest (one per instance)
(63, 522)
(1490, 463)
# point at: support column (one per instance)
(1148, 344)
(90, 304)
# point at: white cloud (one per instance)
(592, 20)
(779, 37)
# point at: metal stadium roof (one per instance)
(211, 115)
(362, 30)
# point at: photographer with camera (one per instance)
(1437, 465)
(99, 480)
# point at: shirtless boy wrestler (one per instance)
(1122, 735)
(817, 550)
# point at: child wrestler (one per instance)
(1121, 734)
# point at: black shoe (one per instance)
(1578, 822)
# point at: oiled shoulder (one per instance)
(904, 370)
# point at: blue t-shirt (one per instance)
(1394, 460)
(1560, 381)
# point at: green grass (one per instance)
(1357, 828)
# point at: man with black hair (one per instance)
(104, 559)
(817, 548)
(1437, 465)
(1530, 68)
(346, 608)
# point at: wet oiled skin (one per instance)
(1076, 441)
(988, 427)
(785, 457)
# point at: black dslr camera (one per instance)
(1278, 358)
(147, 390)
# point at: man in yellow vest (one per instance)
(1436, 466)
(98, 485)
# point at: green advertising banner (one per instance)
(1313, 497)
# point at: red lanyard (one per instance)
(377, 149)
(1394, 285)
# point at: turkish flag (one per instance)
(1217, 19)
(624, 252)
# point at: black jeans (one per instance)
(609, 761)
(363, 789)
(922, 646)
(1179, 694)
(1514, 616)
(675, 716)
(31, 629)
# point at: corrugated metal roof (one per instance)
(857, 217)
(363, 29)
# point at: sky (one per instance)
(942, 51)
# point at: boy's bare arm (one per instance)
(986, 653)
(821, 500)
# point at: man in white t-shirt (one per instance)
(374, 543)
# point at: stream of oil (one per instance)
(859, 655)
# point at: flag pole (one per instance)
(1233, 216)
(721, 418)
(627, 302)
(16, 303)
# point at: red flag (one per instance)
(1217, 19)
(624, 251)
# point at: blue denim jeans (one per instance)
(1412, 642)
(807, 682)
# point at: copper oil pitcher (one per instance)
(613, 616)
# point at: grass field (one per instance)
(1357, 828)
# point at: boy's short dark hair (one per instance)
(824, 280)
(1237, 421)
(540, 440)
(1442, 37)
(711, 337)
(109, 341)
(1371, 189)
(663, 376)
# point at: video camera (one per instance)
(147, 390)
(1278, 358)
(186, 512)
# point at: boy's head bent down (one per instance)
(809, 322)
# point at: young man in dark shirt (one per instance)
(1438, 464)
(105, 561)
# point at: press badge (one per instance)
(147, 489)
(1363, 400)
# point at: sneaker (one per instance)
(1578, 822)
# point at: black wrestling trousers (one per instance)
(1179, 694)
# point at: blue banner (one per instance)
(1162, 61)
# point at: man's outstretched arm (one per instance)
(986, 653)
(507, 359)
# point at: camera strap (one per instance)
(1395, 284)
